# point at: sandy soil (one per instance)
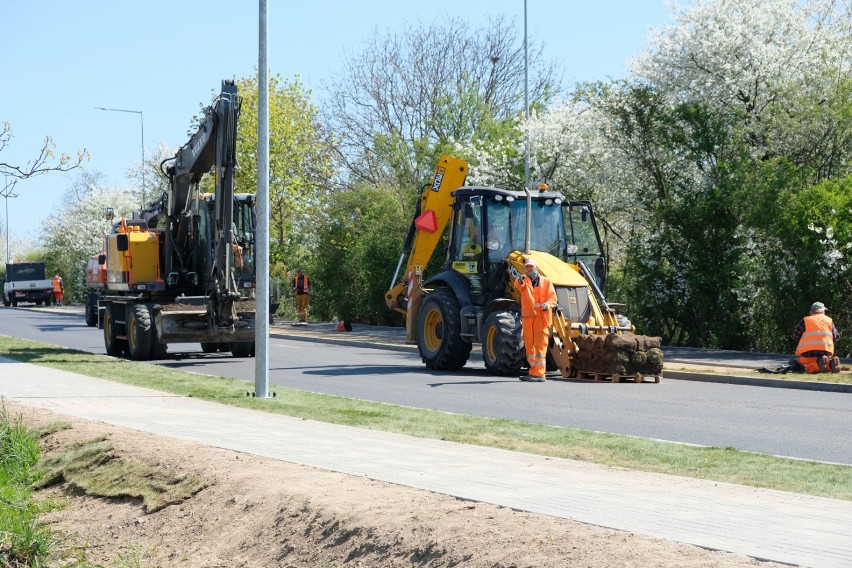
(257, 512)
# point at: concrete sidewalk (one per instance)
(765, 524)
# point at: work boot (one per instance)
(834, 364)
(822, 363)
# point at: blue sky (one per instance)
(62, 59)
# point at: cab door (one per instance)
(467, 248)
(584, 244)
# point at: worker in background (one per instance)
(301, 289)
(58, 289)
(816, 336)
(538, 298)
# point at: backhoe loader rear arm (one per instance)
(433, 213)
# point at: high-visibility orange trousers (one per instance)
(811, 364)
(536, 338)
(302, 305)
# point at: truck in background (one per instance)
(26, 282)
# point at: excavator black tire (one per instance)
(159, 350)
(242, 348)
(439, 337)
(140, 332)
(209, 347)
(92, 309)
(112, 344)
(503, 343)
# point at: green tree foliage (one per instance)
(360, 240)
(300, 159)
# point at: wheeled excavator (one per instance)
(182, 270)
(472, 299)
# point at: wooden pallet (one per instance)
(603, 377)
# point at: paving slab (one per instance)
(765, 524)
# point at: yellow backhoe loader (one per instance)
(472, 300)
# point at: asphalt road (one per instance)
(795, 423)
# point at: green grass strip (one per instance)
(24, 541)
(713, 463)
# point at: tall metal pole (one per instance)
(7, 193)
(261, 339)
(527, 136)
(142, 124)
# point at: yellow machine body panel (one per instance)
(139, 263)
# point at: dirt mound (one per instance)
(257, 512)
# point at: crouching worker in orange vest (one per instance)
(57, 290)
(538, 298)
(816, 336)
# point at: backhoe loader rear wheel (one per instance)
(439, 340)
(503, 343)
(140, 332)
(113, 345)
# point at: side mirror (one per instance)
(122, 242)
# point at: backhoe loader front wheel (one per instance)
(439, 340)
(140, 332)
(503, 343)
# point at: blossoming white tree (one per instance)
(75, 232)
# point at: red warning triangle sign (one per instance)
(427, 222)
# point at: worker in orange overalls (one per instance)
(816, 336)
(302, 290)
(538, 298)
(57, 290)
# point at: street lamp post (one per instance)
(7, 193)
(142, 124)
